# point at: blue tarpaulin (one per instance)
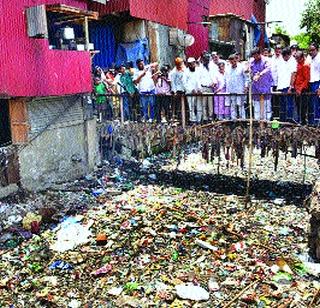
(257, 30)
(103, 38)
(133, 51)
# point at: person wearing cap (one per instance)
(177, 76)
(193, 86)
(260, 67)
(207, 78)
(314, 102)
(287, 69)
(143, 78)
(236, 84)
(213, 65)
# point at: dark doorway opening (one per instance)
(5, 130)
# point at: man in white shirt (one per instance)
(207, 79)
(287, 69)
(193, 86)
(277, 57)
(314, 103)
(143, 78)
(177, 76)
(236, 83)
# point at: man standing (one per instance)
(287, 69)
(274, 65)
(177, 85)
(221, 111)
(261, 85)
(163, 90)
(143, 78)
(237, 84)
(128, 90)
(193, 86)
(314, 103)
(207, 84)
(301, 86)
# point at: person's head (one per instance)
(164, 70)
(286, 54)
(205, 59)
(233, 60)
(215, 57)
(192, 64)
(313, 50)
(238, 56)
(178, 62)
(294, 48)
(299, 56)
(140, 64)
(278, 50)
(122, 68)
(256, 54)
(97, 80)
(221, 67)
(129, 65)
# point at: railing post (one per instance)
(121, 110)
(183, 111)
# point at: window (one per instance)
(64, 26)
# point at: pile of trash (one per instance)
(164, 247)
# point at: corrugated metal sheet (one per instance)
(198, 8)
(242, 8)
(31, 68)
(166, 12)
(61, 111)
(111, 7)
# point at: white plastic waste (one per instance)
(192, 292)
(71, 234)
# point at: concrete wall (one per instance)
(64, 151)
(160, 48)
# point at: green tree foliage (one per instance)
(311, 20)
(280, 30)
(303, 40)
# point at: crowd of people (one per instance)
(215, 88)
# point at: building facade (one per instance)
(44, 96)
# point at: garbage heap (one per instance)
(314, 209)
(158, 246)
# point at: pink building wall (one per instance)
(242, 8)
(197, 8)
(166, 12)
(28, 67)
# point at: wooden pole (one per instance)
(183, 112)
(250, 140)
(121, 110)
(86, 33)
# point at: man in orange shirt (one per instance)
(301, 86)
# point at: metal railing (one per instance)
(189, 109)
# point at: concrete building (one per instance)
(46, 133)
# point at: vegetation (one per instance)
(311, 21)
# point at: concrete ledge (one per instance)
(8, 190)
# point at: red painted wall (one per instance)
(28, 67)
(243, 8)
(111, 7)
(166, 12)
(197, 8)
